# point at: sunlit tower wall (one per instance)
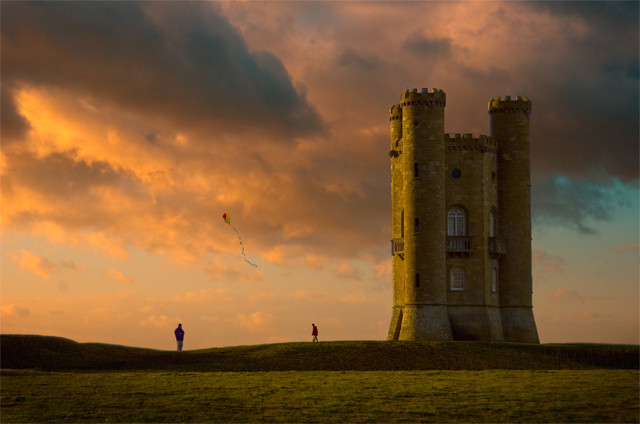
(424, 314)
(510, 122)
(397, 216)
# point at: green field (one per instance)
(323, 382)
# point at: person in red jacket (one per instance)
(179, 332)
(314, 333)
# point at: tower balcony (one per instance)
(497, 247)
(397, 247)
(459, 244)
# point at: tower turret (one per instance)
(397, 224)
(423, 163)
(510, 121)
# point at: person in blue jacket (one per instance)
(179, 332)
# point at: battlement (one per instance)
(469, 140)
(428, 96)
(395, 112)
(508, 105)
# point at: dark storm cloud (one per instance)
(433, 47)
(180, 61)
(585, 128)
(13, 125)
(586, 103)
(561, 201)
(349, 58)
(611, 17)
(628, 69)
(490, 77)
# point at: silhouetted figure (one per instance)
(314, 333)
(179, 332)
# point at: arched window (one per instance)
(417, 280)
(417, 224)
(456, 222)
(494, 279)
(492, 223)
(402, 224)
(457, 278)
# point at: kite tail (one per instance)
(240, 238)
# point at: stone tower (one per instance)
(461, 224)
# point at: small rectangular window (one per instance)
(417, 222)
(416, 170)
(417, 280)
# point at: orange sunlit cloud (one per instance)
(548, 262)
(631, 247)
(159, 321)
(13, 310)
(570, 295)
(118, 276)
(31, 262)
(256, 321)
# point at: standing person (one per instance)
(314, 333)
(179, 332)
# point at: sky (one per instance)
(129, 128)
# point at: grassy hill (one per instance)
(108, 383)
(58, 354)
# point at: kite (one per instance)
(227, 219)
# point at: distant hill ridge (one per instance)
(47, 353)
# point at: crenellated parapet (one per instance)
(518, 105)
(470, 141)
(395, 113)
(428, 96)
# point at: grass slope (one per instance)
(609, 396)
(45, 353)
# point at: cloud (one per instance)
(256, 321)
(203, 296)
(276, 114)
(13, 126)
(118, 276)
(589, 316)
(614, 21)
(161, 321)
(347, 271)
(332, 321)
(548, 262)
(68, 263)
(559, 200)
(350, 58)
(301, 294)
(36, 264)
(631, 247)
(569, 295)
(432, 48)
(355, 299)
(149, 59)
(15, 311)
(384, 268)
